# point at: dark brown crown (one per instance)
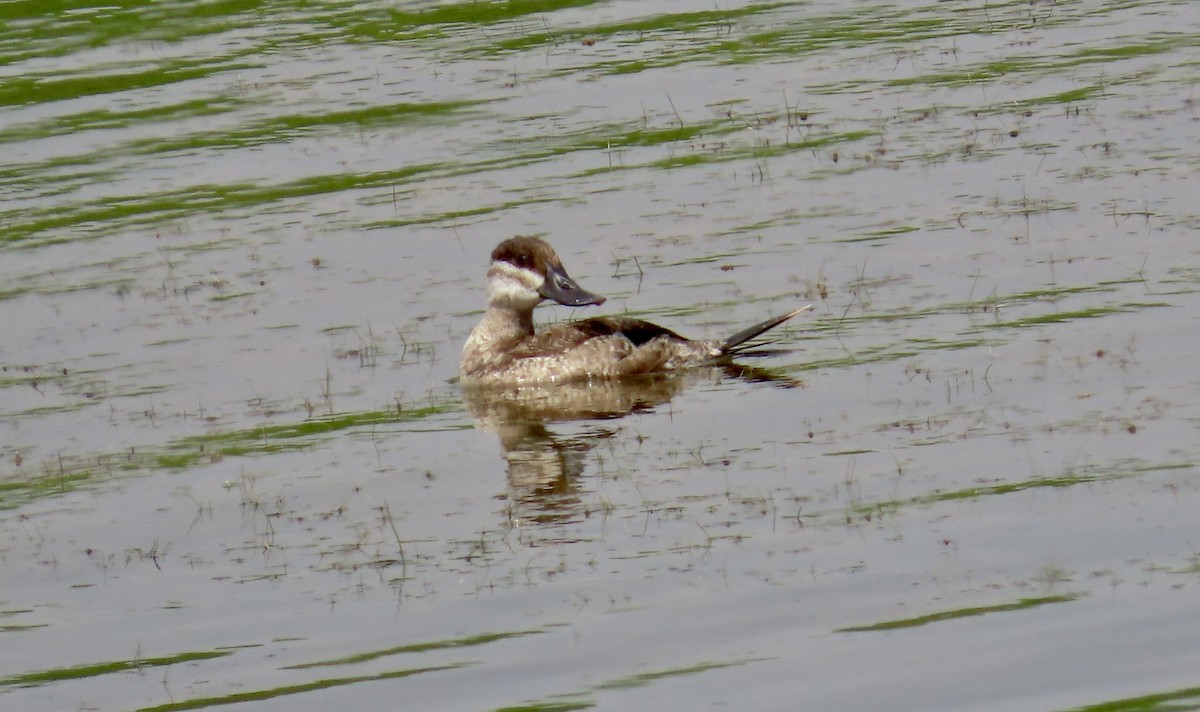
(527, 252)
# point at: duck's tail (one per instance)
(737, 343)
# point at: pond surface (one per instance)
(241, 245)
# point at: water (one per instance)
(243, 243)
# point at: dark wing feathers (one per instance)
(636, 330)
(559, 338)
(556, 339)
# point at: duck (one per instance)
(505, 349)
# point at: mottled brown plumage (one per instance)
(504, 348)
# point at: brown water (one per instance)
(242, 245)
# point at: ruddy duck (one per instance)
(504, 349)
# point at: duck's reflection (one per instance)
(545, 467)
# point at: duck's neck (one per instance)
(494, 336)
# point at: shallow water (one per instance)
(242, 245)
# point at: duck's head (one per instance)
(525, 271)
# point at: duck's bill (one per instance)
(564, 290)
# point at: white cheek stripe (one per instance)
(527, 277)
(510, 284)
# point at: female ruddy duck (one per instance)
(504, 349)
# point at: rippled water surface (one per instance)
(241, 245)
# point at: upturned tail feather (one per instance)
(737, 343)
